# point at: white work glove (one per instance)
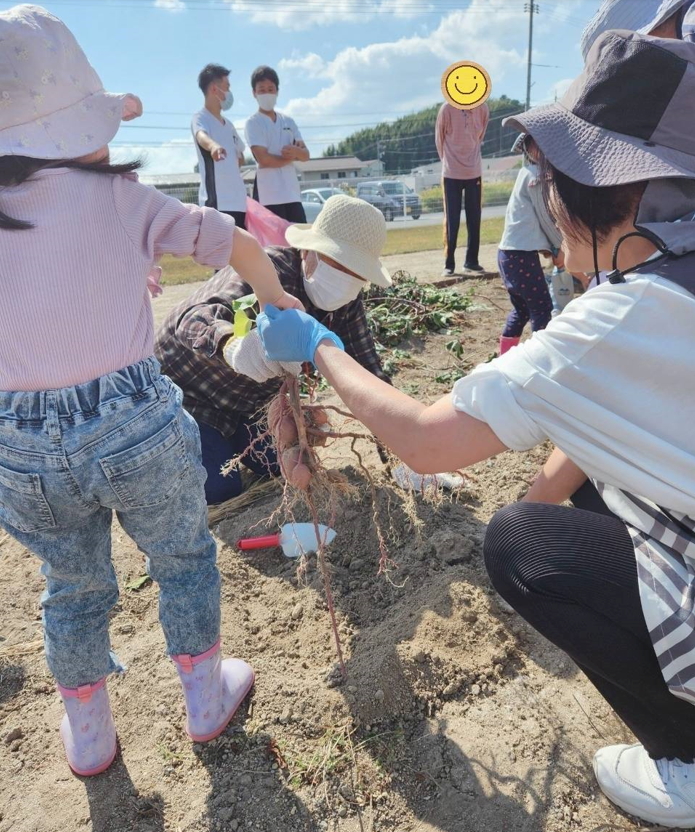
(246, 356)
(408, 480)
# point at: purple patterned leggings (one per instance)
(524, 279)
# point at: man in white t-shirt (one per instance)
(276, 144)
(219, 147)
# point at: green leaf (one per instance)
(138, 583)
(242, 324)
(242, 304)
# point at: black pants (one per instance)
(218, 449)
(454, 200)
(572, 574)
(239, 218)
(290, 211)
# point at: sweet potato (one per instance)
(281, 423)
(286, 433)
(294, 469)
(317, 415)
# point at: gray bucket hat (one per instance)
(628, 117)
(635, 15)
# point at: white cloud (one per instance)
(171, 5)
(176, 156)
(405, 75)
(308, 13)
(557, 90)
(311, 65)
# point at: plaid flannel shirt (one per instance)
(188, 345)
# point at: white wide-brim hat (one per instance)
(52, 102)
(350, 231)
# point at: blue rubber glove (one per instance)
(291, 335)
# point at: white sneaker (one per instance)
(658, 791)
(408, 480)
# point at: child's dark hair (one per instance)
(17, 169)
(211, 73)
(580, 209)
(264, 73)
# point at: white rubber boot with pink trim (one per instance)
(87, 729)
(213, 689)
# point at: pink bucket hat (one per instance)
(52, 102)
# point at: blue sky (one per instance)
(343, 64)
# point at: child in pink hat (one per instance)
(88, 425)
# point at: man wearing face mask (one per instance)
(326, 266)
(219, 147)
(276, 144)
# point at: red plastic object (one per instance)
(258, 542)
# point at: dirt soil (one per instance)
(454, 716)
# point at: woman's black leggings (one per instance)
(571, 573)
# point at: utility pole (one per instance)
(532, 8)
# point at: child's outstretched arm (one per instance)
(254, 267)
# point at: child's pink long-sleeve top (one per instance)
(75, 304)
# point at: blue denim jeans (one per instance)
(71, 457)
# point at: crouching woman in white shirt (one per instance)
(610, 383)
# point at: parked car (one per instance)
(397, 190)
(313, 200)
(374, 194)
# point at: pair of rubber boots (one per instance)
(213, 690)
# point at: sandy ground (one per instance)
(454, 716)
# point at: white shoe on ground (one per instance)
(658, 791)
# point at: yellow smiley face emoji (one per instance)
(466, 85)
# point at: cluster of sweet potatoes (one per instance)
(293, 442)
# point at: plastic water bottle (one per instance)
(561, 288)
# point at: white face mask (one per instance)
(267, 101)
(329, 288)
(227, 101)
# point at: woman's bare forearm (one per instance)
(428, 439)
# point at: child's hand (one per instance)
(286, 301)
(545, 253)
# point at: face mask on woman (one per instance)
(329, 288)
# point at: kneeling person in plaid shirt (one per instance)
(326, 267)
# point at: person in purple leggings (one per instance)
(528, 229)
